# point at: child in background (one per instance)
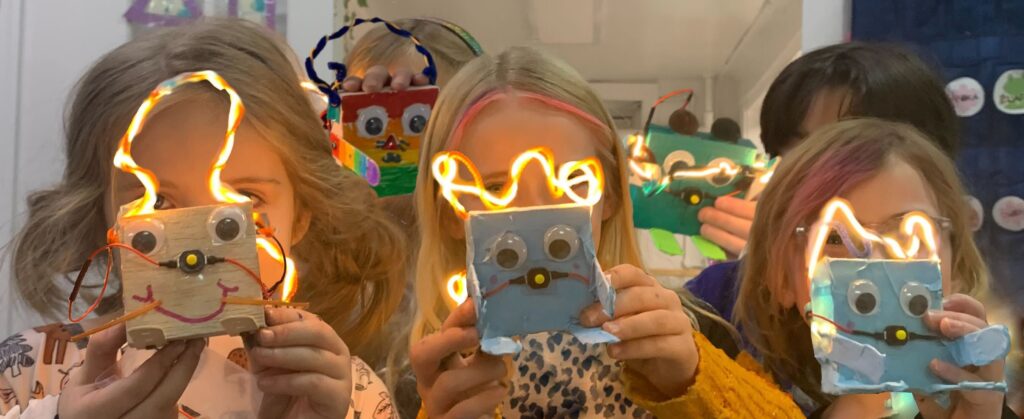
(826, 85)
(493, 110)
(884, 170)
(815, 90)
(324, 216)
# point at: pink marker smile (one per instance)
(225, 290)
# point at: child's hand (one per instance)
(657, 340)
(452, 386)
(962, 315)
(728, 222)
(151, 391)
(378, 77)
(302, 367)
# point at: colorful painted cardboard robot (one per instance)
(377, 135)
(189, 272)
(529, 269)
(865, 313)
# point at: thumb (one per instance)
(274, 406)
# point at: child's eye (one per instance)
(257, 200)
(161, 202)
(494, 187)
(834, 239)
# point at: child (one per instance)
(494, 109)
(815, 90)
(884, 170)
(844, 80)
(323, 216)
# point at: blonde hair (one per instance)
(379, 46)
(829, 163)
(351, 256)
(526, 70)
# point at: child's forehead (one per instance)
(514, 125)
(529, 222)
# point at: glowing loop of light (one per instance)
(221, 193)
(914, 222)
(445, 168)
(457, 287)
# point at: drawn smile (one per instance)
(225, 291)
(538, 278)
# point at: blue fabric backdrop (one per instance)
(980, 39)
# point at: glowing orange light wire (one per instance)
(221, 192)
(457, 287)
(445, 168)
(914, 221)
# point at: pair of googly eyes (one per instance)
(864, 298)
(225, 225)
(373, 120)
(683, 160)
(561, 243)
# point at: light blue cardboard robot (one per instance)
(531, 269)
(865, 312)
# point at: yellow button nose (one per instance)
(694, 199)
(901, 334)
(538, 279)
(191, 259)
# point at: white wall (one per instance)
(45, 46)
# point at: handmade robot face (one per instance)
(866, 309)
(194, 278)
(530, 269)
(190, 272)
(387, 127)
(675, 175)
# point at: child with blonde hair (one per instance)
(348, 255)
(884, 170)
(493, 110)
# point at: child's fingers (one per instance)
(124, 394)
(302, 333)
(301, 358)
(934, 320)
(964, 304)
(283, 315)
(593, 315)
(641, 299)
(463, 316)
(740, 208)
(646, 348)
(322, 391)
(426, 356)
(951, 373)
(732, 224)
(482, 404)
(101, 353)
(352, 84)
(420, 79)
(454, 385)
(732, 244)
(375, 78)
(401, 79)
(649, 323)
(169, 390)
(626, 276)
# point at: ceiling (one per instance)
(640, 40)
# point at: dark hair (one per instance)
(683, 122)
(883, 81)
(726, 129)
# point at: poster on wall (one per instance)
(146, 15)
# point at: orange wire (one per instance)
(252, 274)
(106, 277)
(184, 413)
(671, 94)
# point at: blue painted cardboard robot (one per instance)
(865, 313)
(532, 269)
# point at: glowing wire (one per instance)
(457, 287)
(445, 168)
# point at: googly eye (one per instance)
(146, 235)
(561, 242)
(509, 251)
(415, 117)
(915, 299)
(372, 121)
(678, 160)
(863, 297)
(723, 177)
(226, 224)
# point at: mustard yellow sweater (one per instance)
(723, 388)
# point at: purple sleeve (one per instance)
(717, 285)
